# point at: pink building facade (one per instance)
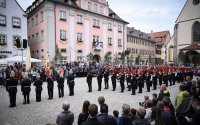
(76, 27)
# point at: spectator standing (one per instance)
(66, 117)
(83, 116)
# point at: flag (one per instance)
(28, 59)
(47, 64)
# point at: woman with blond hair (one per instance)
(126, 117)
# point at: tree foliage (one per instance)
(57, 54)
(108, 57)
(90, 57)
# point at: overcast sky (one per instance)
(146, 15)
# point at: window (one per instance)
(79, 58)
(42, 50)
(89, 5)
(63, 60)
(3, 41)
(109, 41)
(32, 22)
(79, 19)
(101, 10)
(33, 38)
(96, 23)
(110, 26)
(79, 37)
(63, 50)
(16, 22)
(3, 3)
(37, 37)
(196, 32)
(63, 35)
(2, 20)
(33, 52)
(37, 51)
(79, 51)
(36, 20)
(119, 42)
(14, 40)
(63, 15)
(42, 16)
(119, 29)
(95, 7)
(42, 35)
(95, 38)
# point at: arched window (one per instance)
(196, 32)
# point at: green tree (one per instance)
(182, 57)
(107, 57)
(115, 59)
(150, 60)
(123, 57)
(137, 60)
(57, 54)
(90, 57)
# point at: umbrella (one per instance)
(28, 58)
(19, 59)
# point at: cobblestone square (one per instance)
(46, 111)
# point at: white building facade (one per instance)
(13, 25)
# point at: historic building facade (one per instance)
(13, 25)
(76, 28)
(186, 39)
(161, 38)
(140, 46)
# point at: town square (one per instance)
(99, 62)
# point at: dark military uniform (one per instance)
(26, 88)
(71, 83)
(133, 84)
(170, 79)
(128, 79)
(139, 82)
(173, 78)
(155, 77)
(113, 78)
(89, 81)
(160, 77)
(50, 86)
(11, 87)
(99, 80)
(106, 78)
(60, 82)
(38, 89)
(165, 79)
(122, 78)
(148, 77)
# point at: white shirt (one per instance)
(148, 114)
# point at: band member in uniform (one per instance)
(160, 77)
(133, 83)
(50, 86)
(11, 87)
(99, 80)
(170, 78)
(128, 79)
(60, 81)
(173, 78)
(38, 87)
(165, 80)
(122, 78)
(113, 79)
(71, 83)
(26, 88)
(89, 81)
(139, 82)
(148, 77)
(106, 78)
(155, 77)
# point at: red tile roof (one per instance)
(192, 47)
(160, 37)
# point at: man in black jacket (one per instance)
(99, 80)
(113, 79)
(71, 83)
(38, 87)
(60, 81)
(106, 78)
(50, 86)
(26, 88)
(89, 81)
(11, 87)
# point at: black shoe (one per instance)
(132, 94)
(49, 98)
(24, 103)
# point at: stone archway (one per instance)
(96, 58)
